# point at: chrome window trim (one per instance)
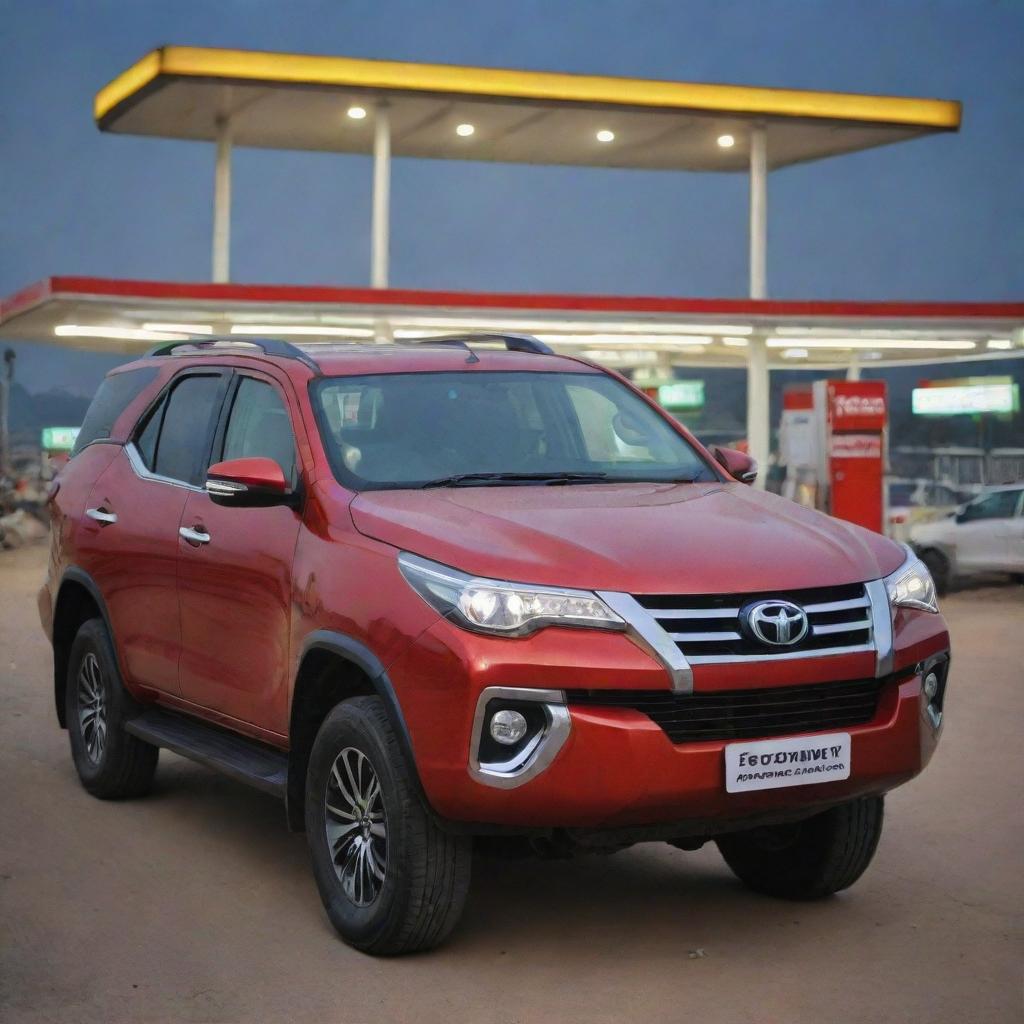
(647, 633)
(144, 473)
(537, 755)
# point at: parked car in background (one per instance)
(919, 501)
(985, 535)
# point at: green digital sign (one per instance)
(59, 439)
(682, 394)
(998, 395)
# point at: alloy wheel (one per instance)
(92, 708)
(357, 832)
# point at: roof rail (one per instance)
(512, 342)
(268, 346)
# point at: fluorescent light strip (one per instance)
(795, 353)
(627, 327)
(735, 342)
(306, 330)
(905, 344)
(116, 333)
(180, 328)
(1000, 343)
(625, 340)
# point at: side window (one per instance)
(183, 446)
(259, 425)
(115, 394)
(1000, 505)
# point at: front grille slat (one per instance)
(746, 714)
(711, 628)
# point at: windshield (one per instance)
(483, 428)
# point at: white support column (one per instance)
(222, 203)
(758, 212)
(853, 367)
(381, 228)
(758, 420)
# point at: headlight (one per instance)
(504, 609)
(911, 586)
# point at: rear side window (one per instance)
(115, 394)
(186, 429)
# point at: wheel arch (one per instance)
(332, 668)
(78, 600)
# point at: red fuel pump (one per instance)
(852, 425)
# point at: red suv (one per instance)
(434, 592)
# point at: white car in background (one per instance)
(914, 501)
(985, 535)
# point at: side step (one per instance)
(243, 759)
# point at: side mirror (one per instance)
(247, 483)
(738, 465)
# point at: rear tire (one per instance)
(809, 859)
(938, 566)
(111, 763)
(390, 879)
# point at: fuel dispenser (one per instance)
(834, 445)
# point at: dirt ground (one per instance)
(197, 904)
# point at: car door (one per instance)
(234, 572)
(129, 538)
(983, 529)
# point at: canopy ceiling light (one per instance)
(116, 333)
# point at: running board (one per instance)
(243, 759)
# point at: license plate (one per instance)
(789, 761)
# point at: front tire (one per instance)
(390, 879)
(809, 859)
(111, 763)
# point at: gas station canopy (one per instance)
(296, 101)
(121, 316)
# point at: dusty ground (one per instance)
(197, 905)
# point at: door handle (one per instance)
(194, 537)
(101, 515)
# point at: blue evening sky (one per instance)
(938, 218)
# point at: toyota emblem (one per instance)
(777, 623)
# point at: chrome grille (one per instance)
(709, 629)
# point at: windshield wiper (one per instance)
(469, 479)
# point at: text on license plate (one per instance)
(788, 761)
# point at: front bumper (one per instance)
(615, 767)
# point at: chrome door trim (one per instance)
(645, 631)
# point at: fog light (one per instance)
(931, 685)
(508, 727)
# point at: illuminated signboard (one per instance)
(682, 394)
(59, 439)
(997, 395)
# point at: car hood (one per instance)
(638, 538)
